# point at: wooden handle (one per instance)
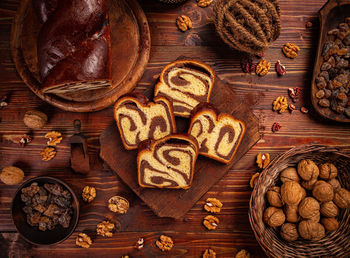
(77, 126)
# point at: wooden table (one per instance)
(190, 237)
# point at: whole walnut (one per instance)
(35, 119)
(309, 185)
(307, 169)
(11, 175)
(292, 193)
(289, 174)
(328, 171)
(274, 217)
(342, 198)
(329, 209)
(323, 191)
(335, 184)
(291, 212)
(309, 207)
(330, 224)
(316, 218)
(311, 230)
(274, 197)
(289, 232)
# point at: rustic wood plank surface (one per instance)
(190, 237)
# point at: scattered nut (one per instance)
(329, 209)
(280, 104)
(280, 69)
(308, 24)
(204, 3)
(289, 232)
(328, 171)
(243, 254)
(35, 119)
(210, 222)
(263, 67)
(105, 228)
(342, 198)
(140, 243)
(165, 243)
(253, 180)
(209, 253)
(290, 50)
(118, 204)
(54, 138)
(4, 101)
(274, 217)
(83, 240)
(291, 107)
(330, 224)
(309, 207)
(274, 197)
(311, 230)
(89, 193)
(276, 127)
(213, 205)
(263, 159)
(247, 65)
(25, 139)
(323, 191)
(183, 22)
(48, 153)
(289, 174)
(304, 110)
(11, 175)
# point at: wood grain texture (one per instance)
(175, 203)
(168, 44)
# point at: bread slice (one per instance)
(218, 134)
(138, 119)
(186, 83)
(168, 162)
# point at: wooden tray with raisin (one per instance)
(330, 88)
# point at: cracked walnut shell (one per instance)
(183, 22)
(328, 171)
(83, 240)
(11, 175)
(210, 222)
(289, 174)
(213, 205)
(262, 160)
(289, 232)
(209, 253)
(290, 50)
(274, 217)
(307, 169)
(89, 193)
(54, 138)
(165, 243)
(280, 104)
(311, 230)
(118, 204)
(48, 153)
(262, 67)
(204, 3)
(105, 228)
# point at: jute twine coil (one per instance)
(248, 25)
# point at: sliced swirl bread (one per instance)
(138, 119)
(218, 134)
(168, 162)
(186, 83)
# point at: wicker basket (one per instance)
(334, 244)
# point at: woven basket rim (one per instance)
(295, 151)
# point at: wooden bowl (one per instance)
(32, 234)
(334, 244)
(330, 15)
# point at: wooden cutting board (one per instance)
(175, 203)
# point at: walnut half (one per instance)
(83, 240)
(213, 205)
(210, 222)
(165, 243)
(105, 228)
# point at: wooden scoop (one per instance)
(79, 159)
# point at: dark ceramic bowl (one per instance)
(33, 234)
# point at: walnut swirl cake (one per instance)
(138, 119)
(168, 162)
(218, 134)
(186, 83)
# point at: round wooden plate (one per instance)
(130, 49)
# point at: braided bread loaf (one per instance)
(186, 83)
(73, 45)
(168, 162)
(218, 134)
(138, 119)
(248, 25)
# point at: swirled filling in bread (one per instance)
(168, 162)
(218, 135)
(138, 119)
(186, 84)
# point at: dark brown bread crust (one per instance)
(205, 106)
(149, 145)
(74, 43)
